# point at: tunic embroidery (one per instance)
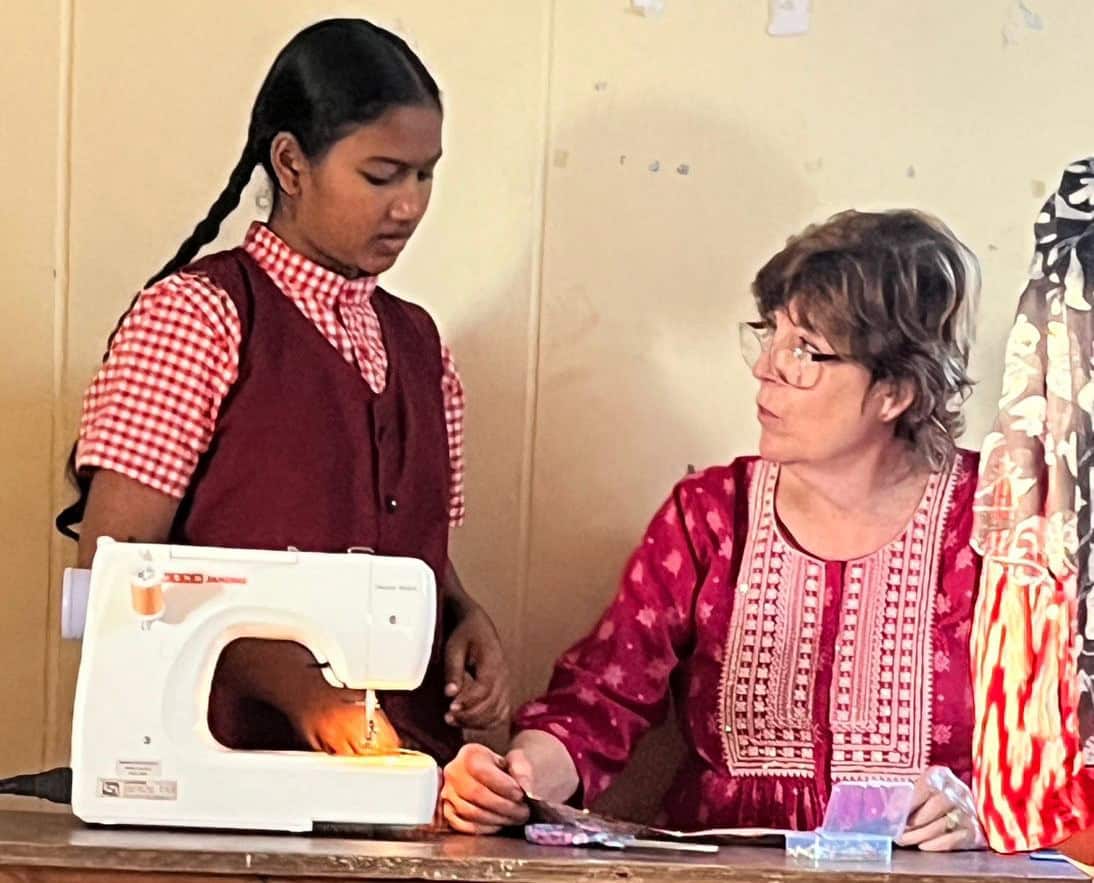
(883, 659)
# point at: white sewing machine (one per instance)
(157, 620)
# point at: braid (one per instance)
(207, 228)
(204, 233)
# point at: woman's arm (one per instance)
(484, 792)
(607, 690)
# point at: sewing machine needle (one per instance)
(370, 717)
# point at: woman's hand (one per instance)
(484, 792)
(943, 816)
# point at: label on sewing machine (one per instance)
(138, 769)
(139, 789)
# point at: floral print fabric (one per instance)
(1033, 639)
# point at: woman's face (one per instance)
(838, 415)
(358, 203)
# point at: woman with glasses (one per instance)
(808, 609)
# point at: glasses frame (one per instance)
(789, 363)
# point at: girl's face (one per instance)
(353, 207)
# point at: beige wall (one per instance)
(32, 81)
(590, 301)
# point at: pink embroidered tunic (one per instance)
(788, 673)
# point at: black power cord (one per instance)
(54, 785)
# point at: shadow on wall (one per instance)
(492, 362)
(657, 219)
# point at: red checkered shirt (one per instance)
(150, 412)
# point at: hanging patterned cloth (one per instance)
(1033, 638)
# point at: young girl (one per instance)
(274, 395)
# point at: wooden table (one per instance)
(47, 846)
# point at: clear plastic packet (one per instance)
(860, 824)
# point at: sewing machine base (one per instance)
(267, 791)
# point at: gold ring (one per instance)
(953, 821)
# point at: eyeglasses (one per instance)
(791, 363)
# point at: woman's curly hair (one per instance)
(896, 292)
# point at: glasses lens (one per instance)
(751, 344)
(808, 374)
(796, 368)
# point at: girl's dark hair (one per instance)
(329, 78)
